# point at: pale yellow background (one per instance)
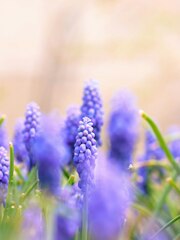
(49, 47)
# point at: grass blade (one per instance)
(165, 226)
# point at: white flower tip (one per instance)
(141, 112)
(131, 167)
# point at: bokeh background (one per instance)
(49, 48)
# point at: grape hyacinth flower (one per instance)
(152, 151)
(20, 150)
(108, 203)
(174, 145)
(50, 154)
(33, 226)
(85, 154)
(92, 108)
(123, 129)
(71, 127)
(3, 136)
(31, 129)
(4, 174)
(67, 217)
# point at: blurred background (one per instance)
(49, 48)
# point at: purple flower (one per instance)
(33, 223)
(71, 128)
(85, 154)
(50, 154)
(123, 129)
(4, 174)
(92, 108)
(174, 145)
(108, 203)
(20, 150)
(67, 217)
(3, 136)
(152, 151)
(31, 129)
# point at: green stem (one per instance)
(32, 177)
(161, 141)
(163, 196)
(165, 226)
(142, 209)
(65, 172)
(11, 170)
(71, 180)
(77, 236)
(2, 119)
(18, 171)
(174, 185)
(151, 163)
(171, 159)
(26, 194)
(11, 173)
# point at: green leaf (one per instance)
(11, 170)
(32, 177)
(65, 173)
(19, 173)
(161, 141)
(165, 226)
(29, 190)
(71, 180)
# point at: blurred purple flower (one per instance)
(67, 217)
(85, 154)
(33, 224)
(152, 152)
(108, 203)
(123, 128)
(50, 154)
(4, 174)
(92, 108)
(71, 128)
(174, 145)
(20, 150)
(31, 129)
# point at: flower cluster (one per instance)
(92, 108)
(4, 174)
(67, 218)
(20, 150)
(73, 190)
(85, 154)
(50, 154)
(152, 151)
(33, 225)
(31, 129)
(108, 203)
(123, 129)
(71, 126)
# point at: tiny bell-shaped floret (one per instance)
(85, 154)
(92, 108)
(4, 174)
(31, 129)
